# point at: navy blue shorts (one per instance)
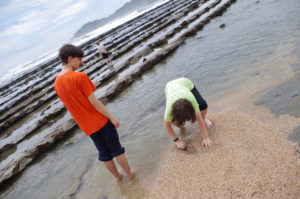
(107, 142)
(105, 55)
(202, 103)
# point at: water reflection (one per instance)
(133, 189)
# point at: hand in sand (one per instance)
(206, 143)
(180, 144)
(115, 122)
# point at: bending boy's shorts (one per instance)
(202, 103)
(105, 55)
(107, 142)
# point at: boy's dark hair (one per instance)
(183, 110)
(69, 50)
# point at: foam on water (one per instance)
(113, 24)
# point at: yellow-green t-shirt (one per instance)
(179, 89)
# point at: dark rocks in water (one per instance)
(255, 73)
(158, 43)
(287, 102)
(184, 23)
(199, 26)
(132, 60)
(191, 32)
(222, 26)
(295, 136)
(207, 20)
(103, 197)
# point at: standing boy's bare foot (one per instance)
(208, 123)
(119, 179)
(131, 175)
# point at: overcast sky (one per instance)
(30, 28)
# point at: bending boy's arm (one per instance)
(206, 141)
(179, 143)
(99, 106)
(169, 129)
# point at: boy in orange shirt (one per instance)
(75, 90)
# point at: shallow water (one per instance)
(255, 55)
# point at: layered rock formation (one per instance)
(32, 118)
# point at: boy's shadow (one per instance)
(191, 147)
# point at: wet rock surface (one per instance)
(296, 136)
(283, 99)
(31, 115)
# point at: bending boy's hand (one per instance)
(115, 122)
(180, 144)
(206, 143)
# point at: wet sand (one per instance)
(249, 159)
(251, 156)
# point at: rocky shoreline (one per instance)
(30, 108)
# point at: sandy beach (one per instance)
(248, 160)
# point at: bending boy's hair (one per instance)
(69, 50)
(182, 110)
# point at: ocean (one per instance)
(243, 56)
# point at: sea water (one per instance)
(256, 52)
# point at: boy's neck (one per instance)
(65, 68)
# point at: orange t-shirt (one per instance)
(74, 88)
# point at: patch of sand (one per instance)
(248, 160)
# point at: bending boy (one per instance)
(184, 103)
(75, 90)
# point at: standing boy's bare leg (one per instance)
(124, 164)
(110, 165)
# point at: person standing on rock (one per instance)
(105, 54)
(75, 90)
(184, 103)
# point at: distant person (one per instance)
(184, 103)
(75, 90)
(105, 54)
